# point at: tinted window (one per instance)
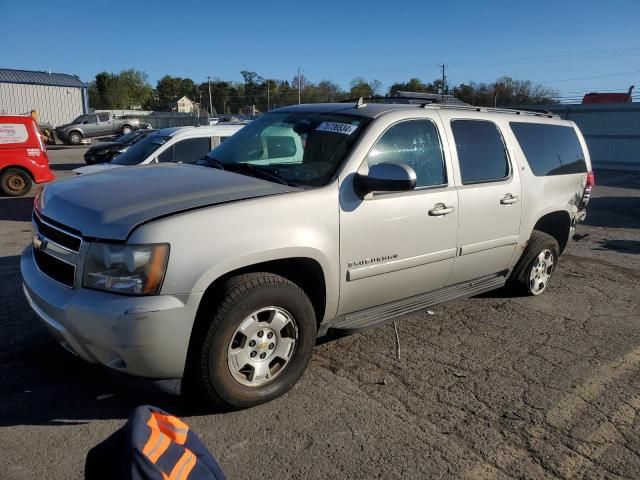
(103, 117)
(141, 150)
(90, 119)
(191, 149)
(481, 152)
(416, 143)
(550, 149)
(166, 156)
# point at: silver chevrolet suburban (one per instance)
(312, 219)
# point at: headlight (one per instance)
(128, 269)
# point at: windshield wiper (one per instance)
(256, 172)
(212, 162)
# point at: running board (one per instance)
(374, 316)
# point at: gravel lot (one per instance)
(492, 387)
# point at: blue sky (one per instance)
(545, 41)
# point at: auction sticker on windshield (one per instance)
(333, 127)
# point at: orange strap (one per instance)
(164, 430)
(183, 466)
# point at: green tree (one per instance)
(128, 89)
(170, 89)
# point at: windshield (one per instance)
(141, 150)
(79, 119)
(126, 138)
(297, 148)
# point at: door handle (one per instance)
(440, 209)
(509, 199)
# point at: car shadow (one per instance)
(16, 209)
(64, 167)
(622, 246)
(65, 147)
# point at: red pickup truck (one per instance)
(23, 155)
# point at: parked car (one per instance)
(106, 151)
(23, 155)
(311, 219)
(95, 125)
(177, 144)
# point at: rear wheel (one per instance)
(126, 129)
(15, 182)
(75, 138)
(258, 342)
(537, 264)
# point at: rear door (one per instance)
(105, 124)
(489, 196)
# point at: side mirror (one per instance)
(386, 177)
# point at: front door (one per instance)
(396, 245)
(490, 200)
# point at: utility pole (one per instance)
(210, 103)
(299, 85)
(267, 95)
(444, 79)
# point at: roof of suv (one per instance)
(202, 130)
(373, 110)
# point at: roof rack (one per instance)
(514, 111)
(429, 103)
(401, 100)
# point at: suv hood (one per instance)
(109, 205)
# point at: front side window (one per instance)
(415, 143)
(550, 149)
(481, 153)
(141, 150)
(90, 119)
(297, 148)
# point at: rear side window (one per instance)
(550, 149)
(103, 117)
(481, 153)
(191, 149)
(13, 133)
(416, 143)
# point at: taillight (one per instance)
(586, 195)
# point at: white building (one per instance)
(185, 105)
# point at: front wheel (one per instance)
(537, 264)
(258, 342)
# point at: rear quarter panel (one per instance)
(545, 194)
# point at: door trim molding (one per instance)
(366, 271)
(489, 244)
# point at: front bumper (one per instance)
(141, 336)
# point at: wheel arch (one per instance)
(18, 167)
(305, 272)
(557, 224)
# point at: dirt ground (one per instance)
(494, 387)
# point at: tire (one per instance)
(15, 182)
(533, 272)
(126, 129)
(75, 138)
(255, 320)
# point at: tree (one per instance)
(360, 88)
(413, 85)
(127, 89)
(170, 89)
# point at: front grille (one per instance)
(57, 236)
(59, 270)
